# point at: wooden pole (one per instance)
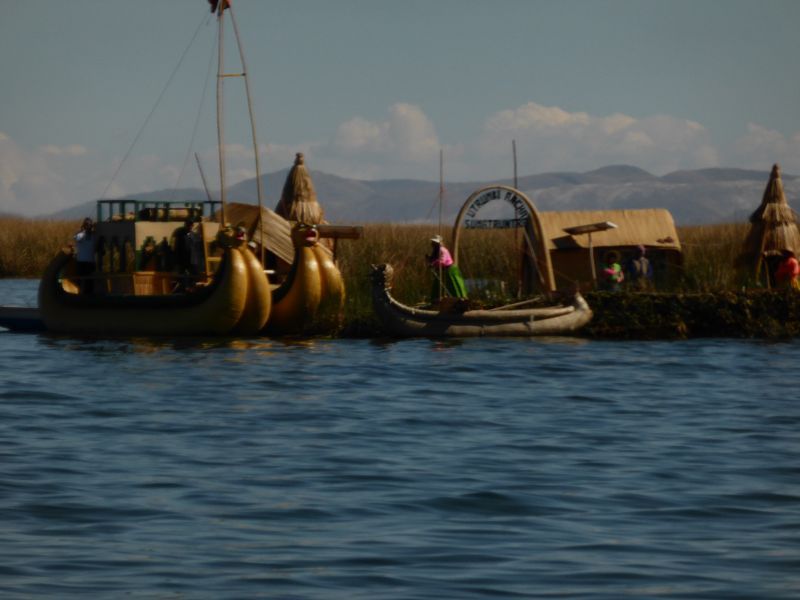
(514, 152)
(441, 210)
(259, 191)
(203, 177)
(220, 131)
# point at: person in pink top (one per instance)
(446, 272)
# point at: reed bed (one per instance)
(709, 258)
(709, 254)
(27, 245)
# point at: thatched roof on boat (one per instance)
(277, 230)
(651, 227)
(773, 225)
(299, 199)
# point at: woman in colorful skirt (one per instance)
(446, 272)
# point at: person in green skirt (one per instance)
(446, 272)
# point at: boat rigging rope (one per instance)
(203, 97)
(153, 110)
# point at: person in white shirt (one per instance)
(84, 247)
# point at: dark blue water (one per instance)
(485, 468)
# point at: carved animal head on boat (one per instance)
(227, 238)
(382, 274)
(305, 235)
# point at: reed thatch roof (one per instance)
(773, 225)
(277, 230)
(299, 199)
(650, 227)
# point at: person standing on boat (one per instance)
(446, 272)
(85, 259)
(786, 275)
(183, 253)
(194, 240)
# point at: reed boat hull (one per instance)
(216, 309)
(405, 321)
(21, 318)
(312, 297)
(258, 306)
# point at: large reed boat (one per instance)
(271, 272)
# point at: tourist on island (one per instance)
(85, 259)
(446, 272)
(639, 271)
(786, 275)
(612, 275)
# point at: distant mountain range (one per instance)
(703, 196)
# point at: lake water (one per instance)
(378, 469)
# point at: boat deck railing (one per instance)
(152, 210)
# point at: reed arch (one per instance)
(536, 248)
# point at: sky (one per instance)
(109, 98)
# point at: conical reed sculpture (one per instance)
(299, 200)
(773, 227)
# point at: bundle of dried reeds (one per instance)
(773, 226)
(299, 199)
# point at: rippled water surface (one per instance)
(482, 468)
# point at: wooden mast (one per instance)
(259, 191)
(221, 7)
(441, 210)
(220, 132)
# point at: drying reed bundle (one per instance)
(299, 199)
(773, 227)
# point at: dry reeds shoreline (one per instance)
(707, 275)
(28, 245)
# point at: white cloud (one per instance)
(551, 138)
(357, 135)
(71, 150)
(28, 184)
(532, 116)
(761, 147)
(407, 136)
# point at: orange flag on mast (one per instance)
(223, 5)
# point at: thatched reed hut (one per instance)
(299, 199)
(572, 255)
(773, 228)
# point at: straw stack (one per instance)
(299, 200)
(773, 226)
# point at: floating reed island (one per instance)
(723, 284)
(707, 298)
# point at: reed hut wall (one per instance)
(570, 254)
